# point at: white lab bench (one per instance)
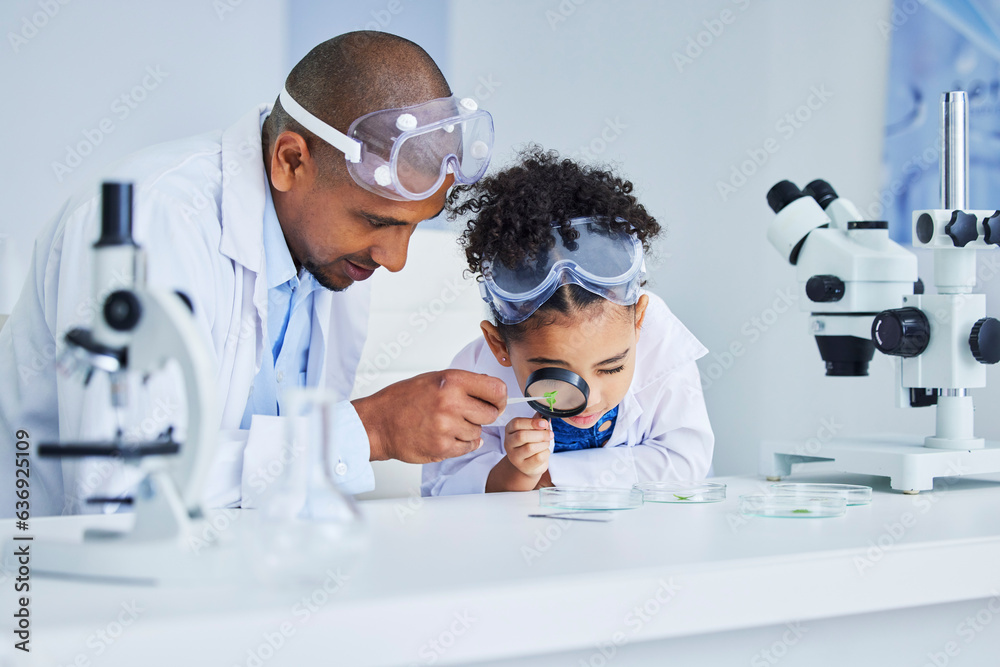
(908, 580)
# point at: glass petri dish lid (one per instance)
(854, 494)
(682, 492)
(589, 498)
(792, 507)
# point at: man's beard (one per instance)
(314, 271)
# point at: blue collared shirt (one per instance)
(570, 439)
(289, 323)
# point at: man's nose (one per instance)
(392, 253)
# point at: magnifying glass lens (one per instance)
(565, 396)
(560, 393)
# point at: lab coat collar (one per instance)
(277, 257)
(242, 209)
(629, 411)
(243, 198)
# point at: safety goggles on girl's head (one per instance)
(405, 154)
(607, 263)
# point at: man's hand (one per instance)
(528, 445)
(431, 417)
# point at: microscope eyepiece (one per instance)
(116, 215)
(821, 191)
(782, 194)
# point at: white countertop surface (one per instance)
(466, 578)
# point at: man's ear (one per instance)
(495, 341)
(640, 313)
(291, 162)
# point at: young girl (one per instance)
(558, 249)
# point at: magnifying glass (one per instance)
(555, 392)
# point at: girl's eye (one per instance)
(610, 371)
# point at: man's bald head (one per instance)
(349, 76)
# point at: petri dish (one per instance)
(792, 507)
(589, 498)
(854, 494)
(682, 492)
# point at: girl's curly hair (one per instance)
(512, 215)
(513, 211)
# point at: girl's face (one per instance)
(597, 343)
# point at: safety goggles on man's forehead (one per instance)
(406, 154)
(605, 262)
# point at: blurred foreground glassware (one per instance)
(308, 529)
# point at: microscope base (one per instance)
(230, 547)
(909, 465)
(97, 547)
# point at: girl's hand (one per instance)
(528, 444)
(544, 481)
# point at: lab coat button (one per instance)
(279, 376)
(340, 469)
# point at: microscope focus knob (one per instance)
(122, 310)
(991, 229)
(985, 340)
(902, 332)
(824, 289)
(962, 228)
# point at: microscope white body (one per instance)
(878, 275)
(168, 517)
(877, 272)
(953, 311)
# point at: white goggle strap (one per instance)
(331, 135)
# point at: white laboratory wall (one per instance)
(677, 94)
(86, 83)
(313, 21)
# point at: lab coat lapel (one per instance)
(629, 412)
(243, 181)
(242, 209)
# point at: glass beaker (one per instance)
(308, 528)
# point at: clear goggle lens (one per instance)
(607, 263)
(408, 153)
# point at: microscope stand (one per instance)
(910, 465)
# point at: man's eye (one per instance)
(377, 225)
(611, 371)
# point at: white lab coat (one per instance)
(198, 213)
(662, 431)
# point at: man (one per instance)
(266, 227)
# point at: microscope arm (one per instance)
(166, 330)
